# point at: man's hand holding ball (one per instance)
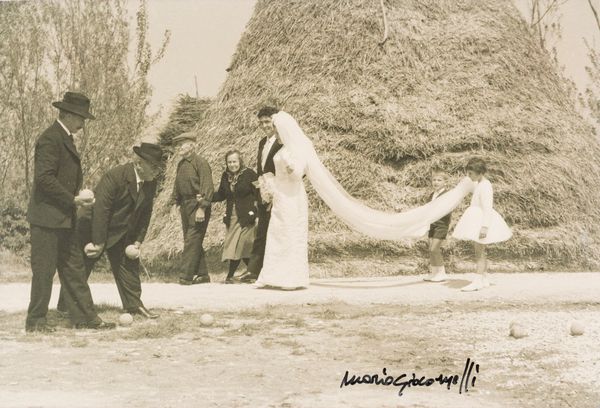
(200, 215)
(85, 198)
(93, 251)
(133, 251)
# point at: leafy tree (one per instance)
(83, 45)
(24, 91)
(49, 47)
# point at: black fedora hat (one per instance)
(150, 152)
(76, 103)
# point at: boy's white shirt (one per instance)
(438, 193)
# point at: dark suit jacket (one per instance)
(244, 197)
(56, 181)
(202, 181)
(269, 165)
(120, 211)
(443, 222)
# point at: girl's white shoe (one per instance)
(478, 283)
(438, 274)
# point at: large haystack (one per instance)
(454, 79)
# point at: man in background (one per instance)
(192, 192)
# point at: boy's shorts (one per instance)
(438, 231)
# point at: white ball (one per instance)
(86, 195)
(577, 328)
(206, 319)
(125, 319)
(132, 252)
(518, 331)
(235, 325)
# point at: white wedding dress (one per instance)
(285, 263)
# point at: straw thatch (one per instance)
(455, 78)
(187, 112)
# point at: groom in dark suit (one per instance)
(120, 219)
(267, 148)
(52, 207)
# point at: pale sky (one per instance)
(204, 34)
(577, 22)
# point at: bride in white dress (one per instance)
(285, 263)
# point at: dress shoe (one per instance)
(97, 324)
(142, 311)
(40, 328)
(248, 277)
(63, 314)
(200, 279)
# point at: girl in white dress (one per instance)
(481, 223)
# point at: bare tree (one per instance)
(544, 20)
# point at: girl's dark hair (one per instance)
(229, 153)
(267, 111)
(477, 165)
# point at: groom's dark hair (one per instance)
(267, 111)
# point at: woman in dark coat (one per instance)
(240, 217)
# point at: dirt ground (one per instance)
(291, 349)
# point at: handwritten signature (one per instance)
(403, 381)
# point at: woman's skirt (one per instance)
(238, 240)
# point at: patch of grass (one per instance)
(327, 314)
(369, 335)
(249, 329)
(13, 268)
(289, 343)
(163, 328)
(298, 351)
(80, 343)
(297, 322)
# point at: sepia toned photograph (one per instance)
(299, 203)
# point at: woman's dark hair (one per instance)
(229, 153)
(477, 165)
(267, 111)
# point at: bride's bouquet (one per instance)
(266, 185)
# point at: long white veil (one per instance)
(371, 222)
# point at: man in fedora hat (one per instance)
(119, 220)
(51, 214)
(192, 192)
